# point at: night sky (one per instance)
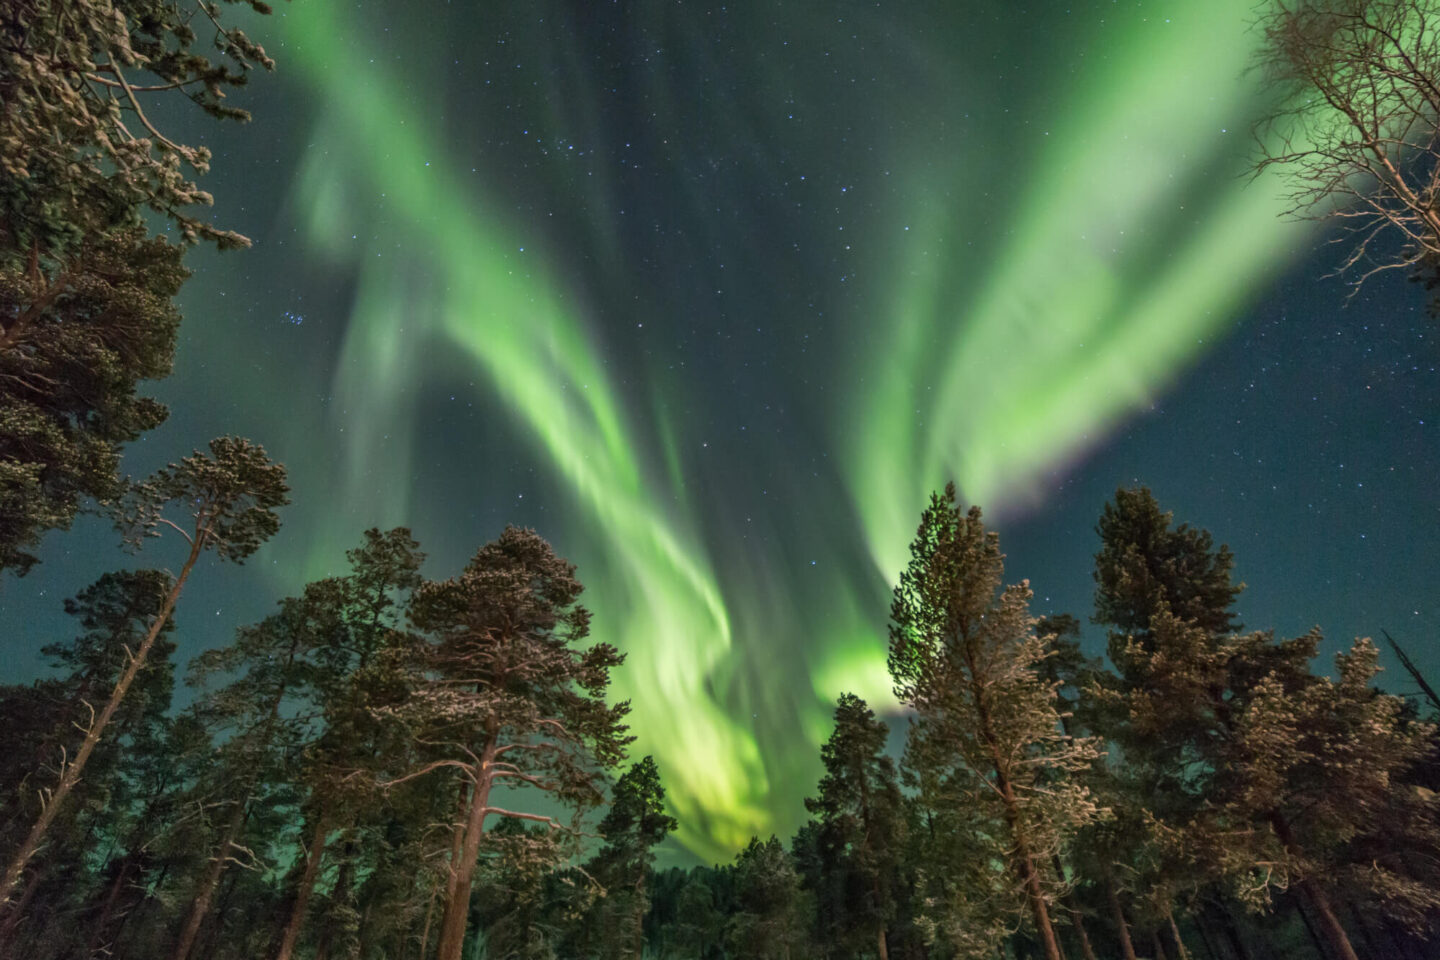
(712, 296)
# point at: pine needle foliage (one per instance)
(986, 736)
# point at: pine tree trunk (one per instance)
(1122, 929)
(881, 946)
(1329, 923)
(1076, 920)
(1180, 951)
(457, 906)
(1156, 945)
(200, 906)
(425, 930)
(10, 921)
(306, 887)
(457, 839)
(70, 776)
(214, 926)
(1086, 950)
(1024, 860)
(107, 911)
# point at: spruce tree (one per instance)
(769, 919)
(1144, 561)
(633, 826)
(858, 835)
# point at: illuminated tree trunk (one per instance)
(1122, 928)
(1329, 923)
(425, 930)
(306, 887)
(1180, 950)
(70, 776)
(457, 905)
(1024, 859)
(200, 906)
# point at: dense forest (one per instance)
(394, 766)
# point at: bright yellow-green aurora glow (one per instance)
(1001, 347)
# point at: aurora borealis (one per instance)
(712, 296)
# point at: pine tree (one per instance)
(1144, 562)
(1255, 772)
(986, 742)
(114, 613)
(70, 368)
(81, 155)
(341, 763)
(503, 695)
(295, 718)
(228, 501)
(1323, 763)
(86, 307)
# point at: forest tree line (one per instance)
(389, 767)
(401, 767)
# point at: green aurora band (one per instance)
(997, 352)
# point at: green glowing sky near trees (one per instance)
(712, 296)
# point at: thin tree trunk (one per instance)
(10, 924)
(1180, 951)
(141, 909)
(425, 930)
(884, 949)
(200, 906)
(70, 775)
(1329, 923)
(1122, 929)
(1076, 919)
(1029, 873)
(307, 886)
(1156, 945)
(1086, 949)
(457, 907)
(214, 925)
(108, 909)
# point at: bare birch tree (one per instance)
(1355, 126)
